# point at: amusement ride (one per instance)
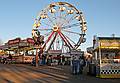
(59, 26)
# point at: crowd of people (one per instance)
(52, 60)
(76, 62)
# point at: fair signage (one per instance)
(77, 52)
(28, 58)
(14, 41)
(30, 40)
(110, 43)
(55, 51)
(22, 44)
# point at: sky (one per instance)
(17, 17)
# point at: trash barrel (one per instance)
(92, 69)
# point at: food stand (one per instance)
(106, 57)
(19, 49)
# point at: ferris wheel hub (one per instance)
(55, 28)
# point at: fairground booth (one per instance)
(106, 57)
(22, 51)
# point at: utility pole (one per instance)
(36, 56)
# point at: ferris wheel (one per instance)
(62, 25)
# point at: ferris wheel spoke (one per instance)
(54, 16)
(79, 42)
(69, 19)
(66, 39)
(47, 34)
(50, 36)
(65, 21)
(71, 32)
(70, 39)
(56, 19)
(62, 17)
(60, 14)
(52, 41)
(69, 26)
(44, 29)
(47, 24)
(50, 20)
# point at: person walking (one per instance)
(75, 65)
